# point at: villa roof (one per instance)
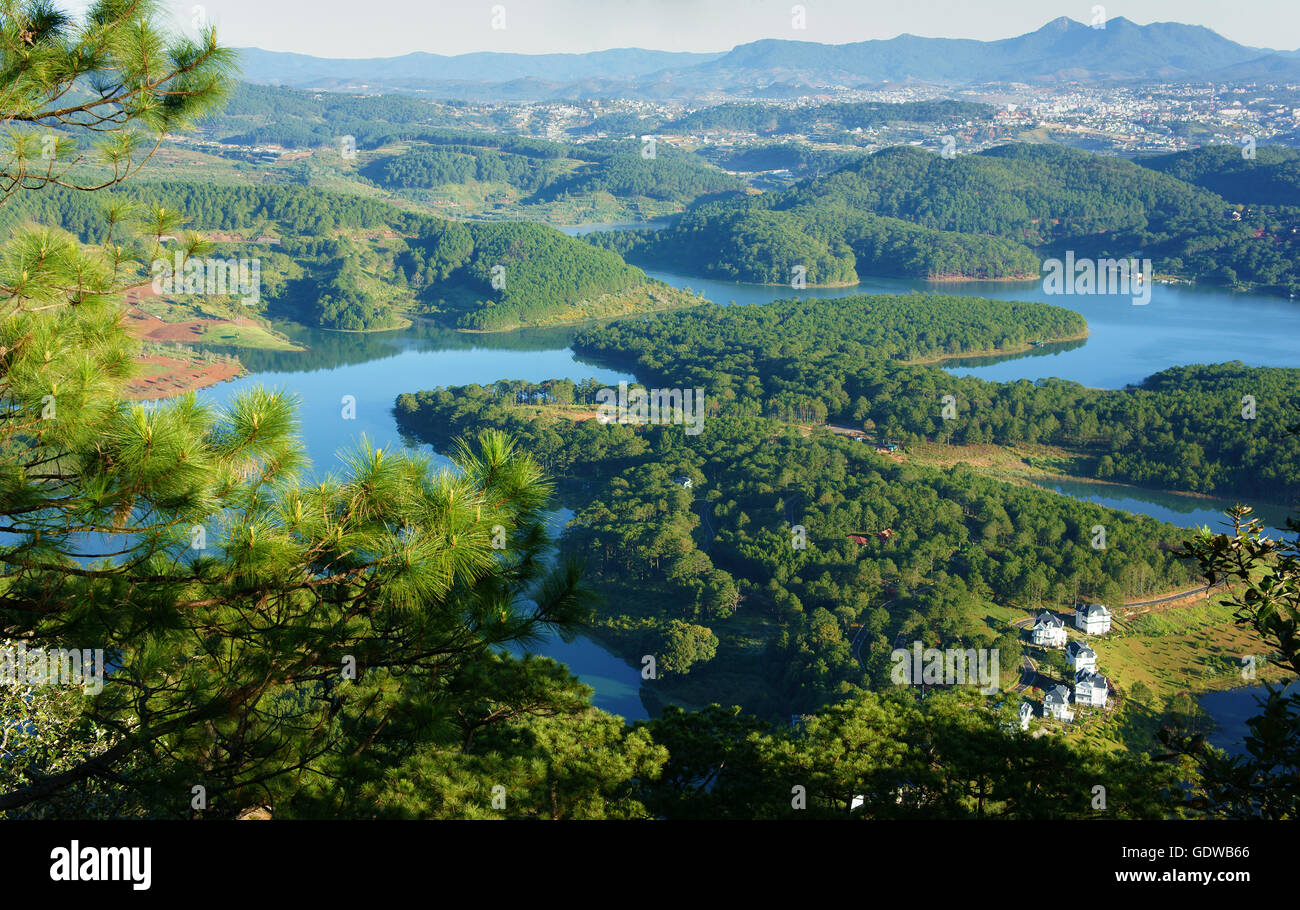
(1091, 678)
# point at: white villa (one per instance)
(1056, 703)
(1091, 688)
(1026, 714)
(1048, 631)
(1094, 619)
(1080, 657)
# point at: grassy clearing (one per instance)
(642, 299)
(246, 336)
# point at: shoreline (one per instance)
(999, 352)
(405, 324)
(1185, 494)
(966, 279)
(676, 299)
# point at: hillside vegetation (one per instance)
(345, 262)
(995, 214)
(1184, 428)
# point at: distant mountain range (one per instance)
(420, 69)
(1061, 51)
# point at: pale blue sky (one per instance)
(383, 28)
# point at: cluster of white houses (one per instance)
(1090, 687)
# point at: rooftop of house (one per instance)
(1091, 678)
(1089, 611)
(1048, 619)
(1079, 649)
(1057, 695)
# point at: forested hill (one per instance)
(345, 262)
(771, 118)
(748, 619)
(1185, 428)
(742, 239)
(260, 114)
(1034, 200)
(1036, 194)
(553, 170)
(895, 327)
(1270, 177)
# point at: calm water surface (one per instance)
(1181, 325)
(1230, 710)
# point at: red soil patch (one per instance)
(151, 328)
(180, 376)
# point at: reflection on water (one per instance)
(1127, 343)
(1047, 349)
(374, 368)
(384, 366)
(326, 350)
(616, 684)
(1183, 511)
(1230, 710)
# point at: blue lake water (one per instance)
(1230, 710)
(1127, 343)
(1181, 325)
(1183, 511)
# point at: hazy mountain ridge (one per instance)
(1063, 50)
(269, 67)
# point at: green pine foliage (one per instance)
(265, 631)
(342, 279)
(1271, 176)
(720, 554)
(1183, 428)
(992, 215)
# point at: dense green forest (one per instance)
(346, 262)
(744, 241)
(615, 168)
(817, 360)
(895, 756)
(509, 274)
(1271, 177)
(432, 166)
(1006, 208)
(355, 644)
(802, 333)
(668, 556)
(770, 119)
(669, 175)
(269, 115)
